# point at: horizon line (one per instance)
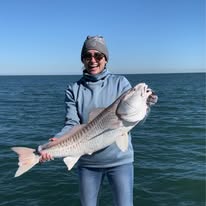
(113, 73)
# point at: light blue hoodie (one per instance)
(90, 92)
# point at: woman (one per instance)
(98, 88)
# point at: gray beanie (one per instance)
(96, 43)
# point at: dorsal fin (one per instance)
(63, 137)
(94, 113)
(73, 130)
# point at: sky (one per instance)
(45, 37)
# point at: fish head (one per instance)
(134, 105)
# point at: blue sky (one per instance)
(143, 36)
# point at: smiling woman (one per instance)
(94, 54)
(94, 62)
(98, 88)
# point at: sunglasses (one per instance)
(97, 56)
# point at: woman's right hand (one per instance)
(45, 156)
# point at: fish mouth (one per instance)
(152, 99)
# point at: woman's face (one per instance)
(94, 62)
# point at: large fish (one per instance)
(105, 127)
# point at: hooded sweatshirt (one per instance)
(81, 98)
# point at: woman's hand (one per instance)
(45, 156)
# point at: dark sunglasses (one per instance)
(98, 56)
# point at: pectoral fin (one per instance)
(70, 161)
(122, 142)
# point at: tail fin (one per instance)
(27, 159)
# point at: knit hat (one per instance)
(96, 43)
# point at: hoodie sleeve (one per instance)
(71, 117)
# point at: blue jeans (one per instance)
(120, 179)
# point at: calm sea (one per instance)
(169, 147)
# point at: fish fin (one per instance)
(122, 142)
(70, 161)
(75, 128)
(65, 136)
(93, 114)
(27, 159)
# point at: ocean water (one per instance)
(170, 167)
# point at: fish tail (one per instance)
(27, 159)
